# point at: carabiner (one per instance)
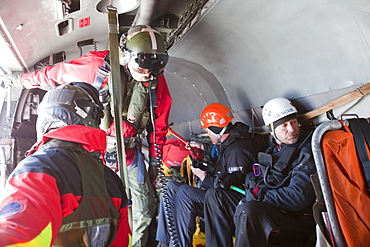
(257, 169)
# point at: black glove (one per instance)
(203, 165)
(225, 180)
(251, 181)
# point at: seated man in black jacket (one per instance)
(231, 156)
(277, 206)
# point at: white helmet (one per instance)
(277, 109)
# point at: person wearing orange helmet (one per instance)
(226, 161)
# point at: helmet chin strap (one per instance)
(273, 133)
(219, 135)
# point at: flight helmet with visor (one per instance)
(143, 50)
(72, 104)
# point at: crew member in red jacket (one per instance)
(62, 194)
(143, 60)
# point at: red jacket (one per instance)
(85, 69)
(41, 191)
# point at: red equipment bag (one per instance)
(174, 152)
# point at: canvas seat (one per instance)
(345, 218)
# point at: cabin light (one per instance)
(19, 27)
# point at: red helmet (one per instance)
(217, 115)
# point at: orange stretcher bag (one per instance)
(348, 180)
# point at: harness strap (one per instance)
(153, 93)
(101, 74)
(139, 162)
(361, 134)
(290, 154)
(285, 160)
(153, 103)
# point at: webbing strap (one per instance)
(361, 134)
(153, 99)
(286, 159)
(153, 105)
(101, 74)
(116, 100)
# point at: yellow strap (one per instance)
(166, 170)
(42, 240)
(185, 171)
(199, 238)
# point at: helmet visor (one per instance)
(154, 62)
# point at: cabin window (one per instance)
(65, 27)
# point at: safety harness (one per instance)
(361, 134)
(275, 175)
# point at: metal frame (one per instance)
(324, 180)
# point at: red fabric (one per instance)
(82, 69)
(347, 182)
(41, 199)
(129, 131)
(255, 192)
(40, 195)
(162, 113)
(92, 139)
(174, 152)
(124, 233)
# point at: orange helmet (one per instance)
(217, 115)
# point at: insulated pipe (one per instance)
(323, 177)
(145, 12)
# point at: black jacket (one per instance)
(297, 195)
(236, 154)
